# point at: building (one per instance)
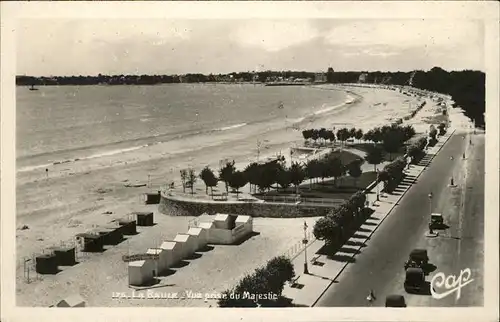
(320, 78)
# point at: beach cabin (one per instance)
(91, 242)
(156, 262)
(144, 218)
(46, 264)
(128, 226)
(140, 272)
(246, 222)
(188, 244)
(207, 227)
(201, 236)
(65, 256)
(171, 255)
(222, 221)
(152, 198)
(75, 300)
(113, 233)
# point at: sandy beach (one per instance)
(75, 196)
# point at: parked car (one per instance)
(417, 258)
(436, 220)
(395, 300)
(415, 280)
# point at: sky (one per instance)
(52, 47)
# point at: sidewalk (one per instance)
(308, 288)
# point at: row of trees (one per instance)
(264, 176)
(392, 137)
(333, 227)
(264, 287)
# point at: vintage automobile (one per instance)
(436, 220)
(415, 280)
(418, 257)
(395, 300)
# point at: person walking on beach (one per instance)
(47, 172)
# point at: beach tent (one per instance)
(171, 255)
(114, 234)
(74, 300)
(140, 272)
(128, 226)
(144, 218)
(65, 256)
(46, 264)
(207, 227)
(222, 221)
(201, 236)
(91, 241)
(188, 243)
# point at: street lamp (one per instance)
(430, 210)
(378, 182)
(304, 241)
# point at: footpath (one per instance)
(323, 271)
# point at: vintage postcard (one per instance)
(319, 161)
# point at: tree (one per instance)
(331, 136)
(377, 135)
(297, 175)
(284, 178)
(315, 135)
(337, 168)
(441, 128)
(226, 172)
(237, 180)
(374, 156)
(359, 134)
(409, 132)
(252, 172)
(322, 134)
(352, 132)
(326, 229)
(343, 135)
(392, 141)
(280, 270)
(191, 180)
(208, 177)
(355, 171)
(184, 178)
(312, 170)
(307, 134)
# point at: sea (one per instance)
(66, 123)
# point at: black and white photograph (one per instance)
(251, 160)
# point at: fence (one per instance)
(299, 246)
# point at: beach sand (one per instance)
(74, 196)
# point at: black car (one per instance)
(417, 256)
(415, 280)
(395, 301)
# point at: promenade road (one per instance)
(379, 266)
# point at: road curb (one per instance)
(381, 221)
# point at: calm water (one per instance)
(57, 123)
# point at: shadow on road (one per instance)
(428, 268)
(342, 258)
(247, 237)
(180, 264)
(355, 243)
(349, 250)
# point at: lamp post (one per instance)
(430, 210)
(378, 182)
(304, 241)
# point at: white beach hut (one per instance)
(222, 221)
(140, 272)
(246, 222)
(171, 255)
(207, 227)
(201, 236)
(156, 262)
(188, 244)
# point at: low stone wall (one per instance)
(176, 207)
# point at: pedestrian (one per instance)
(47, 172)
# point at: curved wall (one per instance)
(177, 207)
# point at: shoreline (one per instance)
(70, 194)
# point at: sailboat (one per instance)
(32, 88)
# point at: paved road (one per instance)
(379, 266)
